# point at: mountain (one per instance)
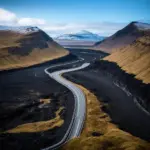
(83, 36)
(134, 58)
(123, 37)
(26, 46)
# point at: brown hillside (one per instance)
(100, 133)
(123, 37)
(26, 49)
(134, 58)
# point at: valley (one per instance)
(57, 98)
(123, 111)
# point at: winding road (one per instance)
(79, 111)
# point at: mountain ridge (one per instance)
(123, 37)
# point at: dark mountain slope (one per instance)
(123, 37)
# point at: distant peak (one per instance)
(83, 35)
(84, 32)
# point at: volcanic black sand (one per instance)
(121, 107)
(21, 91)
(20, 94)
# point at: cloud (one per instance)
(10, 18)
(102, 28)
(55, 29)
(7, 17)
(64, 28)
(31, 21)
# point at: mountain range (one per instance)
(82, 35)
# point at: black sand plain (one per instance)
(20, 94)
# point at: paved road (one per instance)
(79, 111)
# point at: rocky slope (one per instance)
(26, 46)
(123, 37)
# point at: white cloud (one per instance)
(10, 18)
(64, 28)
(31, 21)
(102, 28)
(53, 29)
(7, 17)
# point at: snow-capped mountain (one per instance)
(82, 35)
(20, 29)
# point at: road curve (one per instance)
(79, 111)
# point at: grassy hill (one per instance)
(26, 49)
(134, 58)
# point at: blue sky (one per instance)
(79, 13)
